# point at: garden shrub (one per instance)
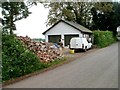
(17, 60)
(103, 38)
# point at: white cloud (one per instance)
(34, 25)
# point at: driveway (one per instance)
(77, 54)
(97, 69)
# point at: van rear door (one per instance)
(72, 43)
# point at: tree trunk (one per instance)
(11, 23)
(11, 31)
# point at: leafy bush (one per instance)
(16, 59)
(103, 38)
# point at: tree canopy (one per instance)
(72, 11)
(105, 16)
(12, 12)
(95, 16)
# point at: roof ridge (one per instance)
(73, 24)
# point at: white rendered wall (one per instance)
(62, 29)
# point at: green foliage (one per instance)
(16, 59)
(116, 15)
(103, 38)
(57, 61)
(93, 15)
(105, 16)
(12, 12)
(72, 11)
(101, 19)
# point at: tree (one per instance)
(72, 11)
(12, 12)
(105, 16)
(95, 16)
(116, 7)
(55, 13)
(101, 12)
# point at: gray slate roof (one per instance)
(75, 25)
(80, 27)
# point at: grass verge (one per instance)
(49, 66)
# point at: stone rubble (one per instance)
(46, 52)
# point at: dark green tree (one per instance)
(12, 12)
(116, 17)
(101, 12)
(72, 11)
(95, 16)
(105, 16)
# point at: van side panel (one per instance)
(79, 43)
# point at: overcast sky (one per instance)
(34, 25)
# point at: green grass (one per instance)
(47, 66)
(57, 61)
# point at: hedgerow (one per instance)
(17, 60)
(103, 38)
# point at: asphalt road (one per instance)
(98, 69)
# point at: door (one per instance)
(54, 38)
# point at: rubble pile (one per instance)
(45, 51)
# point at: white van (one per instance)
(79, 43)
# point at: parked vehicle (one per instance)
(80, 43)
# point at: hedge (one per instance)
(103, 38)
(16, 59)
